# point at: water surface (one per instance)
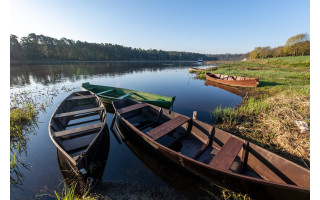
(125, 162)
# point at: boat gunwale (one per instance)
(244, 177)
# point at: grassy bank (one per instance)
(268, 114)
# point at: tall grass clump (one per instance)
(24, 111)
(23, 122)
(69, 193)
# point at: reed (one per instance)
(69, 193)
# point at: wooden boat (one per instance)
(213, 154)
(193, 69)
(109, 94)
(233, 80)
(77, 127)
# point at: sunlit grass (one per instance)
(268, 113)
(69, 193)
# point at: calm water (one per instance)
(127, 161)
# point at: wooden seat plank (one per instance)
(81, 97)
(225, 157)
(131, 108)
(103, 92)
(81, 142)
(167, 127)
(67, 114)
(126, 95)
(78, 129)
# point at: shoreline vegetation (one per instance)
(269, 115)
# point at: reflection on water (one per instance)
(50, 74)
(235, 90)
(123, 162)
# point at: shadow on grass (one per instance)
(268, 83)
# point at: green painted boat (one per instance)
(108, 94)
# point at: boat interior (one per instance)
(77, 121)
(229, 78)
(116, 93)
(208, 145)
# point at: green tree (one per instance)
(16, 51)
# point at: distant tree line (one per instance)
(40, 47)
(298, 45)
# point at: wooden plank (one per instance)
(131, 108)
(78, 143)
(81, 97)
(100, 93)
(67, 114)
(225, 157)
(78, 129)
(167, 127)
(83, 122)
(126, 95)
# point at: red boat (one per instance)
(240, 81)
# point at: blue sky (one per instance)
(215, 26)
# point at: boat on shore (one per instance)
(240, 81)
(77, 127)
(193, 69)
(213, 154)
(109, 94)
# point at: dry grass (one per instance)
(268, 115)
(280, 122)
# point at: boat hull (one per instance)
(249, 82)
(257, 188)
(158, 100)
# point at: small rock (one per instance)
(303, 126)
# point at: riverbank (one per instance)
(271, 113)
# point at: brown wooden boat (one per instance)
(193, 69)
(77, 127)
(240, 81)
(213, 154)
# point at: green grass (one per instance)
(69, 193)
(267, 115)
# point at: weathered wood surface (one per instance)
(70, 145)
(225, 157)
(131, 108)
(68, 114)
(126, 95)
(79, 129)
(81, 97)
(167, 127)
(103, 92)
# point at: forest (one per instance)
(40, 47)
(298, 45)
